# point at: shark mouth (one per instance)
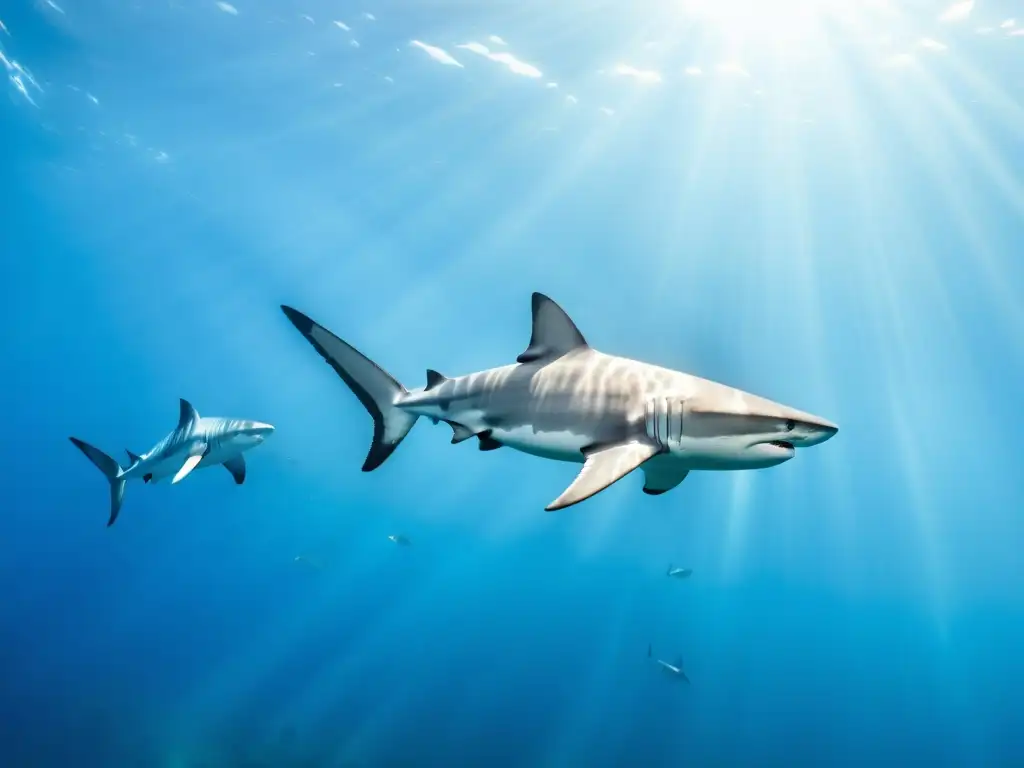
(781, 444)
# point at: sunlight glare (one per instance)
(779, 21)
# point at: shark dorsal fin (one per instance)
(187, 415)
(434, 379)
(554, 332)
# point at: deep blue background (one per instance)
(840, 231)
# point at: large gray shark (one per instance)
(197, 441)
(566, 401)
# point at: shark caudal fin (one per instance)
(111, 470)
(376, 389)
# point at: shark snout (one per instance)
(260, 431)
(818, 431)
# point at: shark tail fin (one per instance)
(376, 389)
(111, 470)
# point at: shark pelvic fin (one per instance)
(602, 468)
(554, 333)
(187, 415)
(236, 466)
(190, 463)
(662, 476)
(488, 443)
(460, 432)
(133, 458)
(434, 379)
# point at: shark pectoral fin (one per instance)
(236, 466)
(662, 476)
(554, 333)
(190, 463)
(601, 469)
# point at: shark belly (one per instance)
(159, 469)
(562, 445)
(220, 453)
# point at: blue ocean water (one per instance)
(817, 201)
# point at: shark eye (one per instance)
(790, 425)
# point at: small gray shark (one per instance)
(197, 441)
(675, 670)
(566, 401)
(400, 540)
(679, 573)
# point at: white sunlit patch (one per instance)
(494, 39)
(19, 85)
(308, 18)
(354, 43)
(693, 71)
(343, 26)
(932, 45)
(514, 65)
(606, 111)
(437, 54)
(3, 28)
(227, 8)
(570, 99)
(640, 75)
(900, 60)
(1008, 24)
(20, 78)
(957, 11)
(747, 22)
(53, 6)
(91, 98)
(733, 68)
(369, 17)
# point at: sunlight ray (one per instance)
(995, 167)
(741, 497)
(1008, 110)
(892, 335)
(871, 265)
(586, 717)
(694, 159)
(942, 167)
(920, 502)
(505, 229)
(400, 621)
(270, 648)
